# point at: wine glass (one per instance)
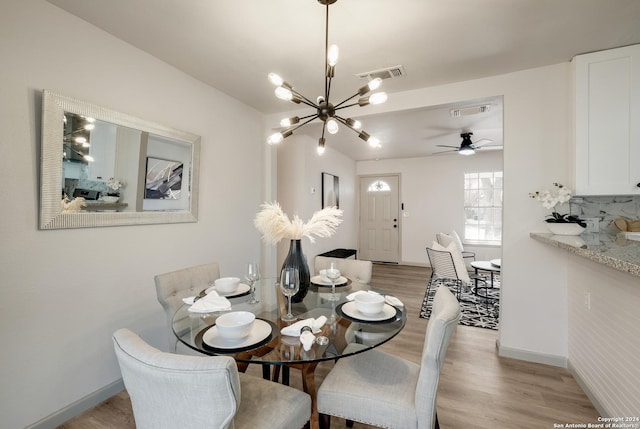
(252, 275)
(333, 274)
(289, 284)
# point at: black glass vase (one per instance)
(296, 259)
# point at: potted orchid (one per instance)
(113, 190)
(551, 200)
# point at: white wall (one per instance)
(432, 190)
(299, 170)
(64, 292)
(537, 136)
(604, 339)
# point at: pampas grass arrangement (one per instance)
(274, 224)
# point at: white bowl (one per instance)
(227, 284)
(369, 303)
(235, 325)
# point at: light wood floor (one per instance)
(477, 388)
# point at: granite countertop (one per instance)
(614, 251)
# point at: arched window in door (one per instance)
(379, 186)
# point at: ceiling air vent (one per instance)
(472, 110)
(386, 73)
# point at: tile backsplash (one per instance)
(607, 209)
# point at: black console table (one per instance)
(340, 253)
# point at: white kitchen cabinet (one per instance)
(607, 122)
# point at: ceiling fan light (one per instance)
(320, 148)
(332, 126)
(354, 123)
(466, 151)
(332, 55)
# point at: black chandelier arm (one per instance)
(347, 99)
(343, 121)
(314, 115)
(327, 82)
(292, 129)
(303, 99)
(327, 88)
(348, 105)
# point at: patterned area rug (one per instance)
(475, 310)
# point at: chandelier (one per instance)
(324, 109)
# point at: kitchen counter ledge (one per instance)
(615, 252)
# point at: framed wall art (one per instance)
(330, 190)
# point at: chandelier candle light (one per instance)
(325, 110)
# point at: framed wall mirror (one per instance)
(100, 167)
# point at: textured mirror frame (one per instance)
(51, 215)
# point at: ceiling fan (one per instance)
(467, 147)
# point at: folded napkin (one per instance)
(209, 303)
(191, 299)
(307, 339)
(393, 301)
(293, 330)
(389, 299)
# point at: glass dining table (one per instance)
(345, 333)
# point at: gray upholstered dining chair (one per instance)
(356, 270)
(173, 286)
(383, 390)
(177, 391)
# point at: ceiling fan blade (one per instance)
(482, 142)
(444, 145)
(445, 151)
(491, 147)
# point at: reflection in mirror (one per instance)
(101, 168)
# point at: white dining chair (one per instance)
(448, 267)
(171, 287)
(356, 270)
(171, 391)
(383, 390)
(446, 239)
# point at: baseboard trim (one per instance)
(587, 390)
(80, 406)
(530, 356)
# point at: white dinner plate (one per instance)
(323, 281)
(388, 312)
(240, 290)
(259, 332)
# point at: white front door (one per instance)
(379, 220)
